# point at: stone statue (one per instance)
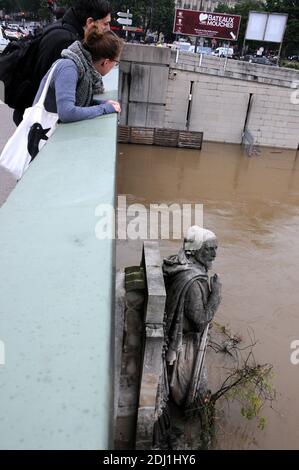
(192, 301)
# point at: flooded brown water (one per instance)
(252, 204)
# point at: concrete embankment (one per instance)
(217, 96)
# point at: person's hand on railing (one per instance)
(115, 105)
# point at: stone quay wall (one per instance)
(219, 97)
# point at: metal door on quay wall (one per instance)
(143, 94)
(220, 114)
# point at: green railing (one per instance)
(56, 291)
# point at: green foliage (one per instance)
(14, 6)
(252, 391)
(65, 3)
(207, 424)
(43, 12)
(247, 382)
(289, 64)
(138, 9)
(262, 423)
(9, 5)
(291, 7)
(250, 385)
(151, 15)
(241, 8)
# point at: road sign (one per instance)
(124, 15)
(268, 27)
(206, 24)
(124, 21)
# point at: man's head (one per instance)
(207, 253)
(201, 244)
(93, 14)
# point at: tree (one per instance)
(162, 17)
(14, 6)
(137, 8)
(30, 5)
(244, 381)
(291, 7)
(64, 3)
(291, 38)
(44, 11)
(151, 15)
(242, 8)
(10, 6)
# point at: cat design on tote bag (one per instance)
(30, 136)
(36, 133)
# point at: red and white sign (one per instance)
(206, 24)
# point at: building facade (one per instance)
(203, 5)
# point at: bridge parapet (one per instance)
(56, 289)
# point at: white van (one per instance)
(183, 46)
(224, 52)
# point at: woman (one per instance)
(78, 76)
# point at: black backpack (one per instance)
(17, 64)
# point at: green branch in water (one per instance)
(247, 382)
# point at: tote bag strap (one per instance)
(47, 84)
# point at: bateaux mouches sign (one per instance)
(206, 24)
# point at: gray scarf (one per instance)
(89, 80)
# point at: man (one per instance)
(85, 15)
(191, 304)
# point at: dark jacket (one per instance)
(61, 35)
(56, 37)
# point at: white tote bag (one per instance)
(30, 136)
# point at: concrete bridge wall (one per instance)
(56, 291)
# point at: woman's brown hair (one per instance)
(105, 45)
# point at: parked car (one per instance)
(13, 26)
(204, 50)
(224, 52)
(247, 57)
(12, 33)
(183, 46)
(3, 41)
(261, 60)
(294, 58)
(254, 59)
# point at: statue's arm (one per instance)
(214, 298)
(195, 310)
(194, 307)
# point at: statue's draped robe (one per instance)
(187, 287)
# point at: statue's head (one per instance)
(201, 244)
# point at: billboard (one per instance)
(264, 26)
(206, 24)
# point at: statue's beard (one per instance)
(206, 264)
